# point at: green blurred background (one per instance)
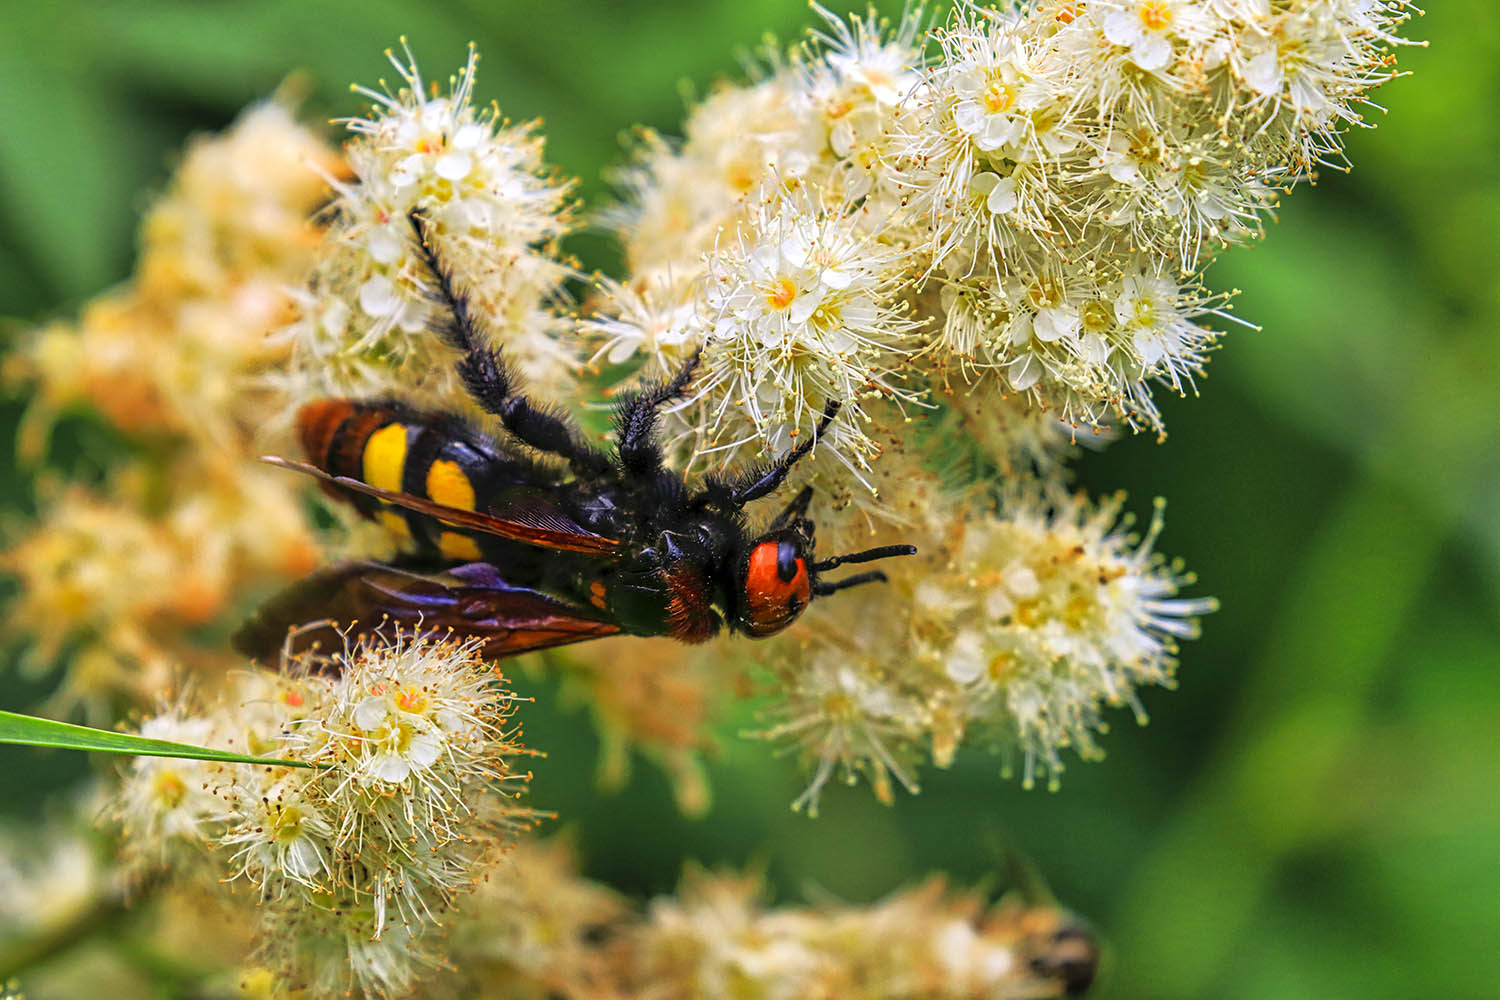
(1316, 811)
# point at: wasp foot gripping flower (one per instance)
(357, 859)
(491, 212)
(1021, 628)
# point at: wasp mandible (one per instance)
(526, 554)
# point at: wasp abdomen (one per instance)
(391, 448)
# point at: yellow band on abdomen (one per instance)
(447, 485)
(385, 457)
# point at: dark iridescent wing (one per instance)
(363, 599)
(546, 528)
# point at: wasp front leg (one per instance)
(746, 487)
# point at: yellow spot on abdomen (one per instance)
(447, 485)
(456, 546)
(385, 457)
(596, 594)
(384, 464)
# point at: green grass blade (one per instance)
(31, 731)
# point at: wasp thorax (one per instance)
(775, 589)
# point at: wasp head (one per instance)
(775, 583)
(778, 579)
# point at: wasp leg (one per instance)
(490, 382)
(794, 511)
(636, 418)
(764, 480)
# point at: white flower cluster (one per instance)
(988, 250)
(1074, 166)
(984, 242)
(363, 851)
(763, 238)
(1015, 630)
(492, 213)
(1060, 175)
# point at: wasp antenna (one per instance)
(823, 588)
(868, 555)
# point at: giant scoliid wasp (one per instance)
(526, 553)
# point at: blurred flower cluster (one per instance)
(985, 240)
(535, 928)
(123, 573)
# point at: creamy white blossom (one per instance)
(1017, 629)
(803, 314)
(493, 215)
(356, 858)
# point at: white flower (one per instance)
(866, 59)
(278, 832)
(999, 193)
(166, 802)
(1147, 28)
(844, 721)
(404, 741)
(802, 314)
(989, 103)
(1148, 310)
(656, 316)
(494, 218)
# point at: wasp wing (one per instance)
(547, 529)
(358, 599)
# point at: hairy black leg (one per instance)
(636, 420)
(764, 480)
(794, 511)
(490, 381)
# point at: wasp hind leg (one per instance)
(490, 382)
